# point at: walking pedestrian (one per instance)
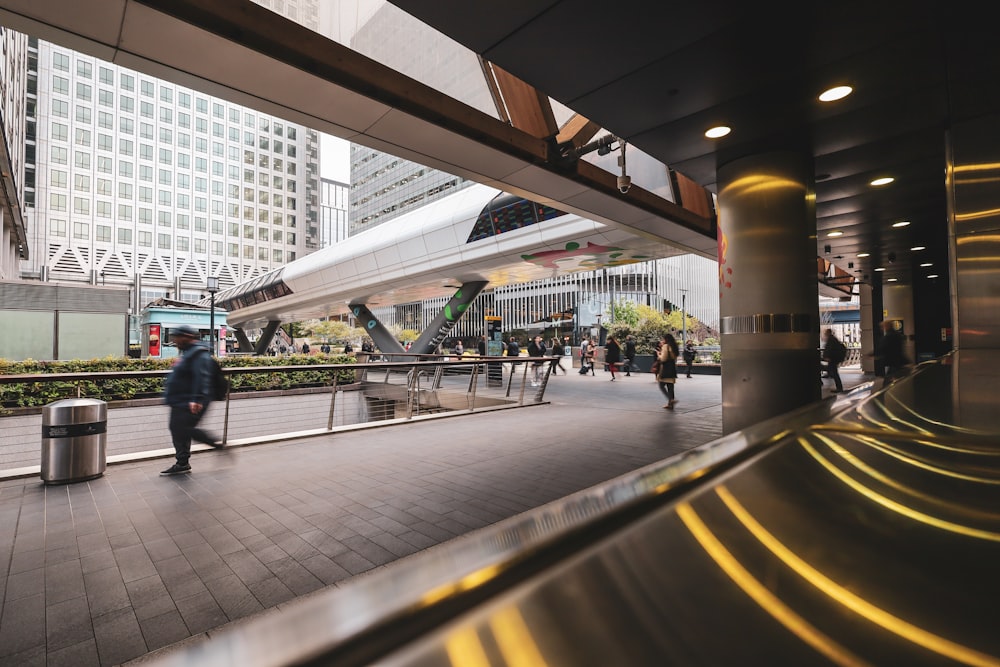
(689, 356)
(536, 349)
(584, 355)
(629, 354)
(834, 353)
(558, 351)
(667, 376)
(890, 353)
(612, 355)
(188, 392)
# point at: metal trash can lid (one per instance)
(74, 411)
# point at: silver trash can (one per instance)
(74, 440)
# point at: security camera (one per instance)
(624, 184)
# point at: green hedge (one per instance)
(28, 394)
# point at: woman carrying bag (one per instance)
(667, 376)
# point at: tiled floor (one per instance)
(105, 571)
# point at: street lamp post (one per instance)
(212, 286)
(684, 318)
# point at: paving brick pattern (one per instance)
(106, 571)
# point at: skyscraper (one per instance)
(142, 182)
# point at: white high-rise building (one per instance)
(143, 182)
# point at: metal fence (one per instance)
(382, 392)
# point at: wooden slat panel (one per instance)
(529, 109)
(578, 130)
(692, 196)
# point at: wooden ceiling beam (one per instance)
(528, 109)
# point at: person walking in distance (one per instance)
(188, 392)
(890, 352)
(629, 354)
(689, 356)
(536, 349)
(558, 351)
(667, 376)
(612, 355)
(834, 353)
(584, 354)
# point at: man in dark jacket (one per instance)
(188, 391)
(629, 354)
(890, 352)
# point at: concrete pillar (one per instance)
(869, 320)
(768, 303)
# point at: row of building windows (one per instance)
(61, 62)
(103, 234)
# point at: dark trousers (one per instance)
(184, 427)
(668, 389)
(833, 372)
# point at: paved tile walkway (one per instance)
(106, 571)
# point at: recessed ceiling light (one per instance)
(891, 280)
(835, 93)
(716, 132)
(885, 180)
(836, 233)
(918, 247)
(933, 275)
(901, 223)
(864, 254)
(926, 264)
(879, 268)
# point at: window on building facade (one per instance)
(106, 98)
(124, 212)
(104, 187)
(182, 243)
(125, 235)
(124, 167)
(146, 109)
(163, 217)
(147, 88)
(83, 114)
(105, 120)
(234, 250)
(124, 190)
(81, 159)
(60, 61)
(57, 202)
(60, 85)
(146, 216)
(81, 230)
(82, 137)
(145, 239)
(102, 233)
(125, 147)
(105, 142)
(60, 108)
(57, 227)
(84, 92)
(57, 178)
(199, 246)
(127, 81)
(104, 210)
(81, 206)
(145, 195)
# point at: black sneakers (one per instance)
(177, 469)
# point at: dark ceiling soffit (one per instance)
(288, 42)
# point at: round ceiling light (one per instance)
(901, 223)
(835, 93)
(885, 180)
(716, 132)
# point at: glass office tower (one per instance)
(142, 182)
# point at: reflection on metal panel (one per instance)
(974, 219)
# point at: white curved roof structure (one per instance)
(479, 233)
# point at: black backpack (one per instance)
(220, 383)
(836, 351)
